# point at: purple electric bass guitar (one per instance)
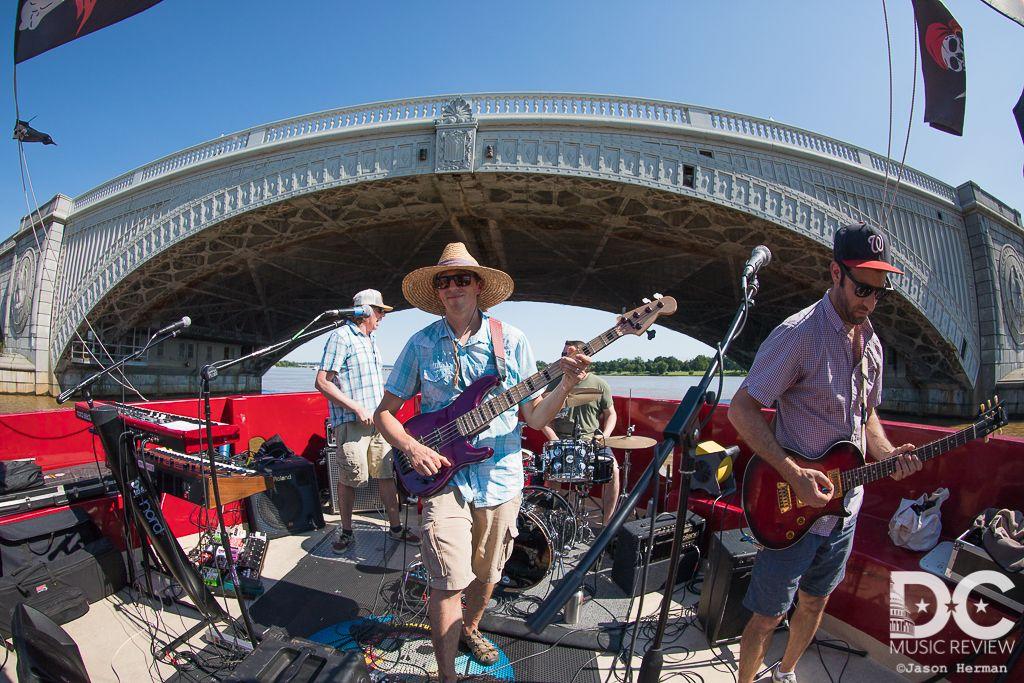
(448, 430)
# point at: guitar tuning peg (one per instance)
(981, 408)
(990, 404)
(646, 300)
(657, 295)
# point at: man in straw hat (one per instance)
(352, 381)
(468, 527)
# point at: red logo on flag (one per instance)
(945, 44)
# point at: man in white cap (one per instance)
(469, 526)
(351, 379)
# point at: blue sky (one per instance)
(187, 71)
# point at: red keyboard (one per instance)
(185, 434)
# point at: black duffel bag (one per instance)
(53, 537)
(60, 559)
(18, 475)
(37, 586)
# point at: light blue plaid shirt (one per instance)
(355, 359)
(427, 365)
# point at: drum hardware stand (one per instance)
(681, 430)
(620, 501)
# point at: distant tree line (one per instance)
(662, 365)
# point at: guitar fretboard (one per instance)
(885, 468)
(475, 420)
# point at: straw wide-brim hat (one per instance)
(418, 286)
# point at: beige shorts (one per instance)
(362, 453)
(460, 541)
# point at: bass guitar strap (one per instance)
(498, 345)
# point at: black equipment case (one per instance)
(57, 563)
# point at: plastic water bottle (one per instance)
(573, 607)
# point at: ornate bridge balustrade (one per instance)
(586, 200)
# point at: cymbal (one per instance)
(629, 443)
(581, 395)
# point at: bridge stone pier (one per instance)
(592, 201)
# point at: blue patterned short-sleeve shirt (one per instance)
(427, 365)
(355, 358)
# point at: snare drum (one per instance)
(569, 461)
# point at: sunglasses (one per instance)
(460, 280)
(863, 291)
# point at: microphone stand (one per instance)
(682, 430)
(84, 385)
(206, 374)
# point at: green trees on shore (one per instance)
(662, 365)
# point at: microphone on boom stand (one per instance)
(158, 337)
(760, 257)
(175, 327)
(351, 311)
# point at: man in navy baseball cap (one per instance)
(859, 245)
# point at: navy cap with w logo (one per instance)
(859, 245)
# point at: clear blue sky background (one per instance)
(187, 71)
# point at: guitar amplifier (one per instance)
(631, 549)
(367, 498)
(730, 564)
(293, 506)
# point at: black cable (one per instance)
(846, 662)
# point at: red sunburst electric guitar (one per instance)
(778, 519)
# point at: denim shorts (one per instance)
(815, 564)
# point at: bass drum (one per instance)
(546, 528)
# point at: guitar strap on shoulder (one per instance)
(863, 395)
(498, 346)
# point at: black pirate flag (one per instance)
(942, 66)
(26, 133)
(44, 24)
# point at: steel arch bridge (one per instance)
(585, 199)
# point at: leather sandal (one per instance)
(482, 650)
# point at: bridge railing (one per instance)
(497, 106)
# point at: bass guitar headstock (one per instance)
(642, 317)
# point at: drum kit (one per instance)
(552, 523)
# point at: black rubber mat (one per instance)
(366, 605)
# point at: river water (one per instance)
(279, 380)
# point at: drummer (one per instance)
(587, 420)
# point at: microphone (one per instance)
(354, 311)
(174, 327)
(759, 258)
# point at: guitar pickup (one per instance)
(837, 483)
(785, 497)
(403, 461)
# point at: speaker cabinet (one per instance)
(280, 658)
(367, 498)
(730, 563)
(631, 549)
(293, 506)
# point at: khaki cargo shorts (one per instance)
(362, 453)
(460, 541)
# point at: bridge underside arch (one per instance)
(256, 277)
